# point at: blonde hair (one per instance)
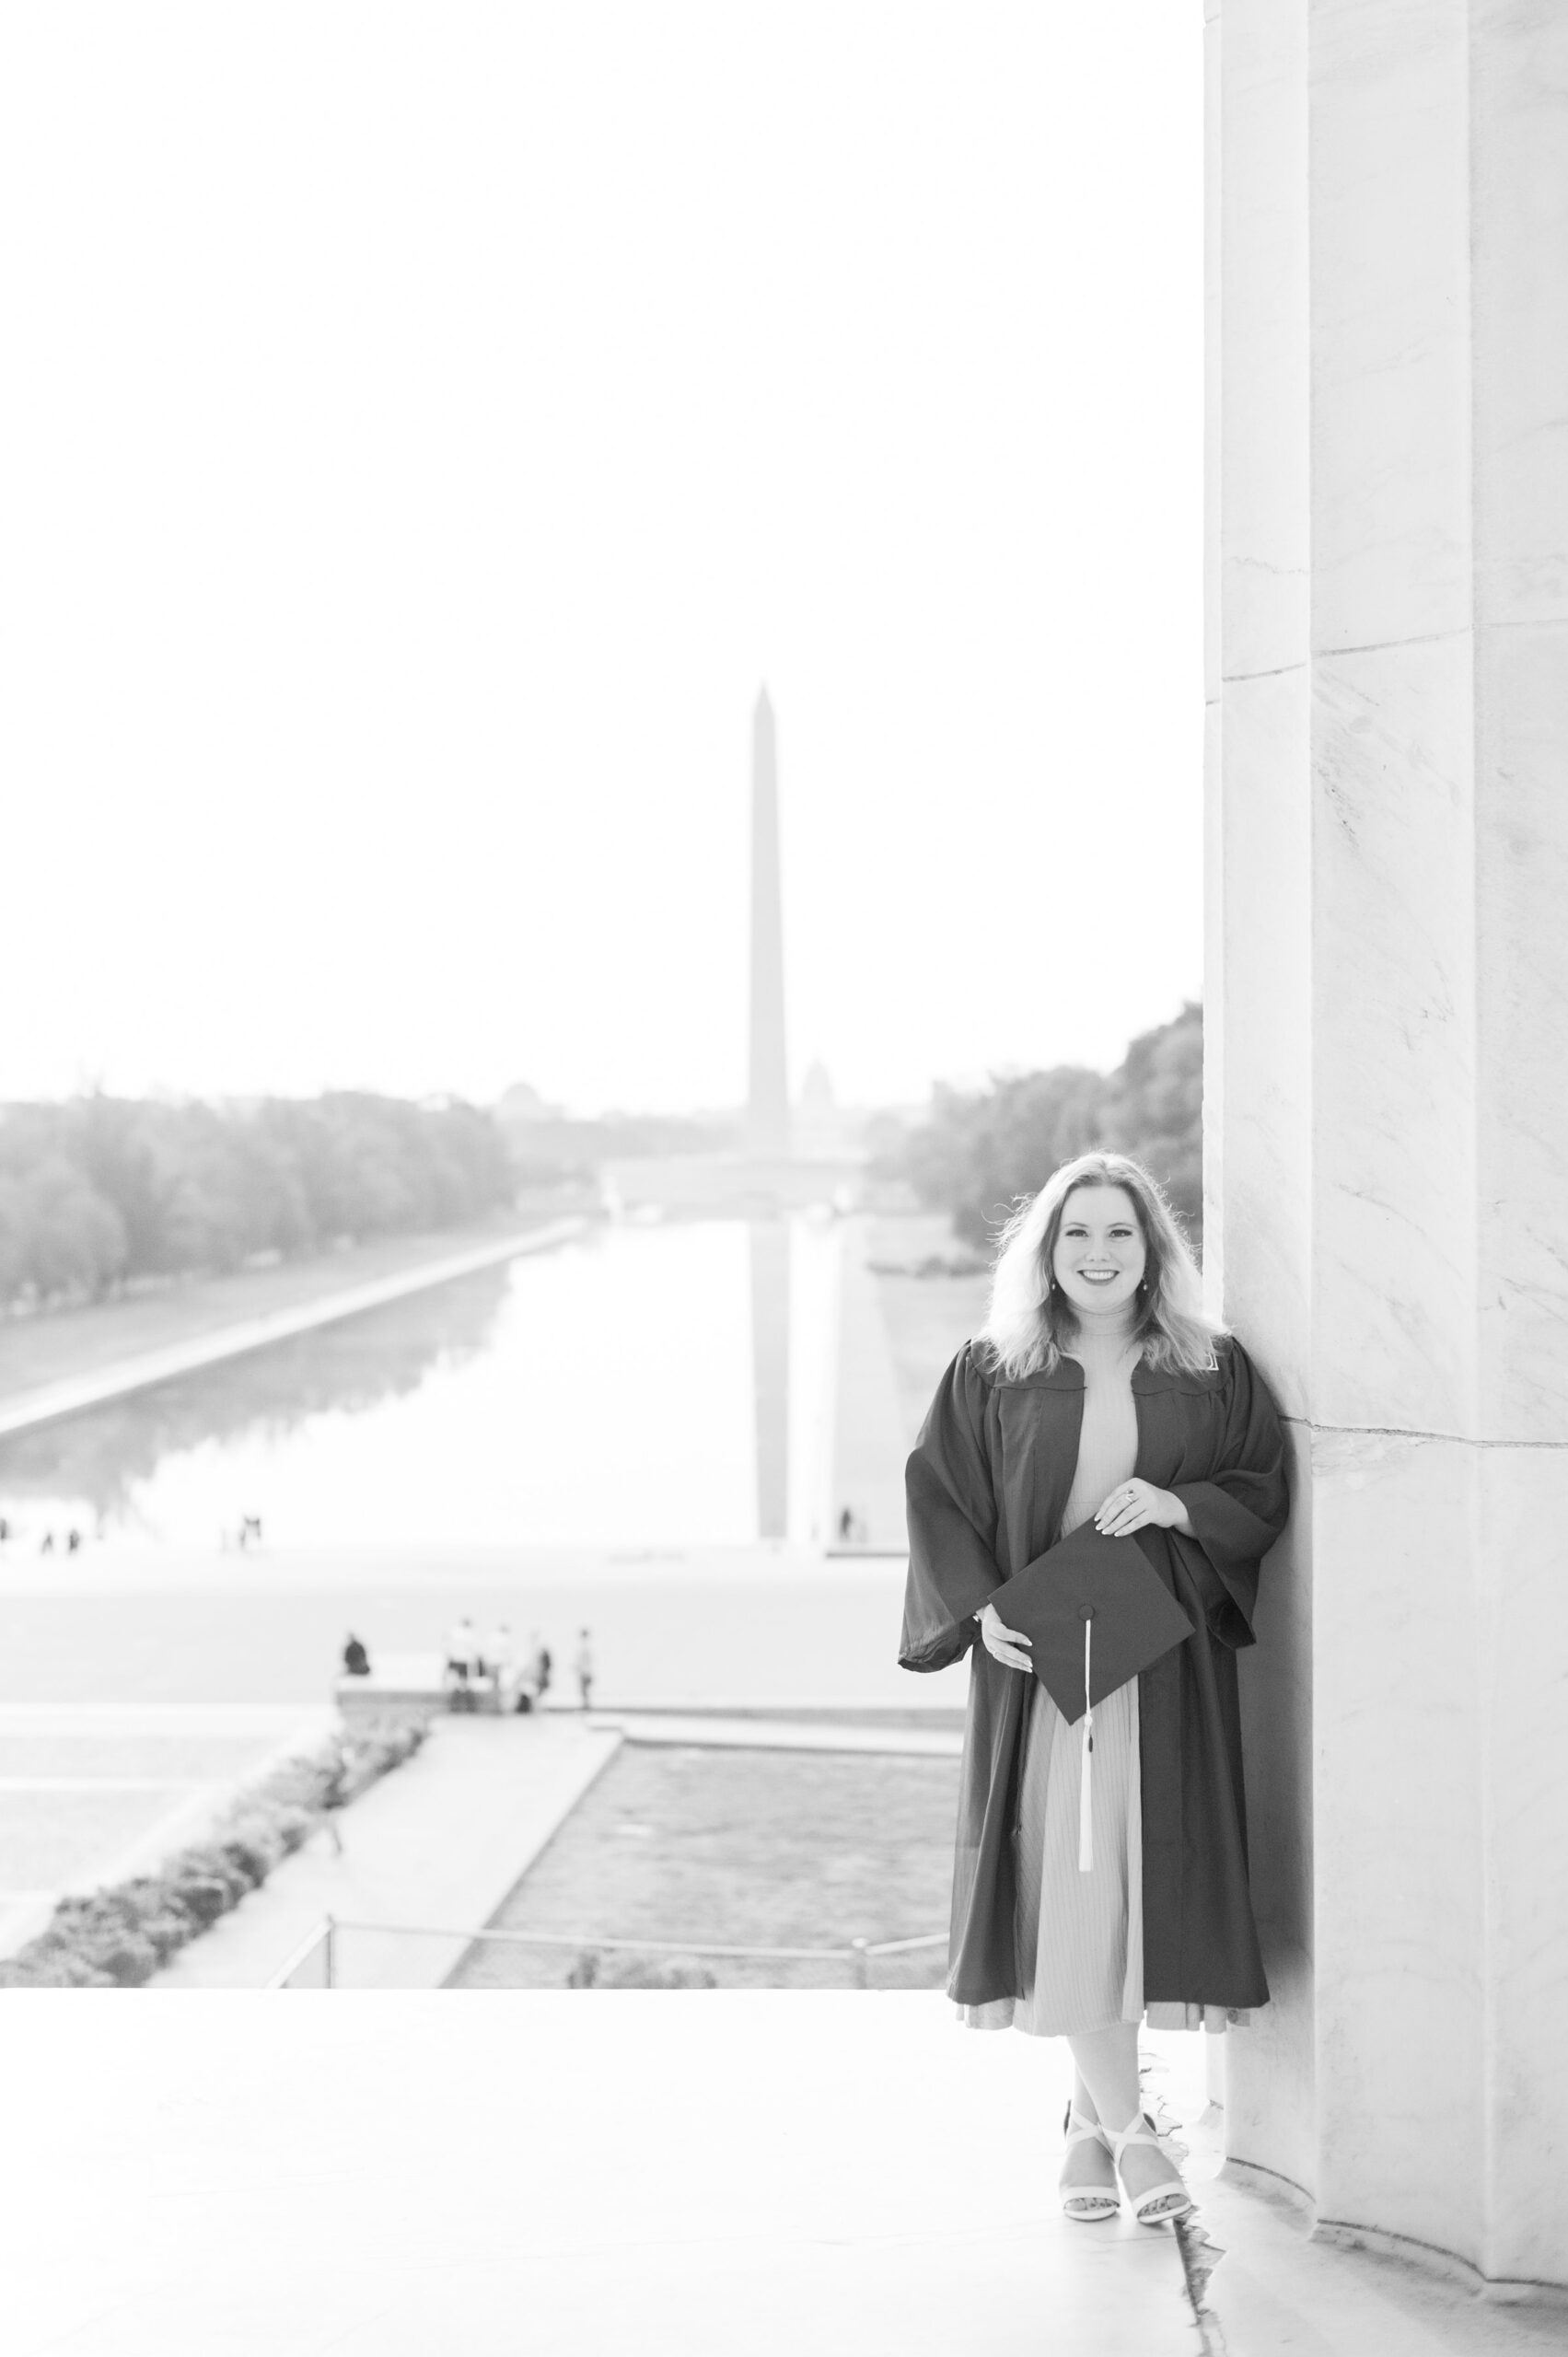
(1030, 1319)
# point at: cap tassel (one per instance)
(1087, 1759)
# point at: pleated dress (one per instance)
(1081, 1935)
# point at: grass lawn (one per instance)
(62, 1342)
(765, 1848)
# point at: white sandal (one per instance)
(1145, 2206)
(1102, 2202)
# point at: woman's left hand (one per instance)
(1134, 1505)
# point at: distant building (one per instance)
(821, 1128)
(521, 1104)
(817, 1096)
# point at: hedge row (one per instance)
(117, 1937)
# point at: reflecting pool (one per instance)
(641, 1385)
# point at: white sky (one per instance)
(423, 428)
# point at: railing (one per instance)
(314, 1964)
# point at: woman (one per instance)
(1098, 1389)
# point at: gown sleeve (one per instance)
(952, 1522)
(1239, 1511)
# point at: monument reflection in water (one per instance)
(650, 1384)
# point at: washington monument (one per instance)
(767, 1097)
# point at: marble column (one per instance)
(1387, 1118)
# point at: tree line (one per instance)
(981, 1149)
(101, 1192)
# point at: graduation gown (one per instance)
(987, 1485)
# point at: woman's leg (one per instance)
(1106, 2062)
(1087, 2165)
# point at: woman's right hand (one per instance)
(1002, 1643)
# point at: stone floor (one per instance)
(700, 1629)
(707, 2174)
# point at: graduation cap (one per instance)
(1095, 1612)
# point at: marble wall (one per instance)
(1387, 1123)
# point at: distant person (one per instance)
(47, 1547)
(530, 1685)
(357, 1661)
(543, 1666)
(4, 1531)
(584, 1665)
(846, 1526)
(73, 1541)
(496, 1657)
(462, 1660)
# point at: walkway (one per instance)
(711, 2175)
(738, 1628)
(69, 1393)
(440, 1839)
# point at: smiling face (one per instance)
(1099, 1251)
